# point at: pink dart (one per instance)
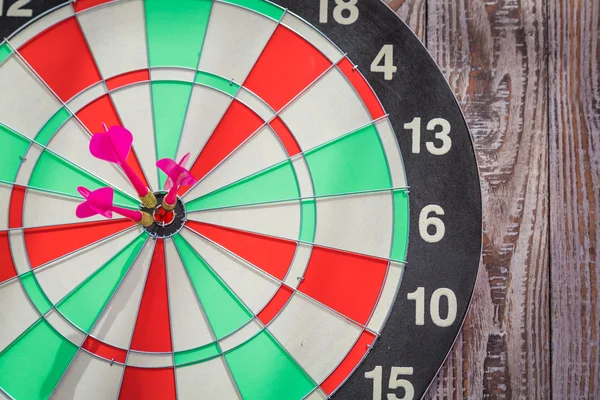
(177, 176)
(114, 146)
(100, 201)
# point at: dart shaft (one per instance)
(137, 183)
(171, 197)
(133, 215)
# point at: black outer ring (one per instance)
(451, 181)
(418, 89)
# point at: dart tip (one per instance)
(149, 201)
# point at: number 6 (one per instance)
(425, 221)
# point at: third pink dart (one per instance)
(177, 176)
(100, 202)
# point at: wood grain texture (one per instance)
(493, 53)
(574, 71)
(412, 13)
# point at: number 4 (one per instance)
(394, 383)
(386, 54)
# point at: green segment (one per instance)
(49, 167)
(196, 355)
(35, 293)
(13, 146)
(261, 360)
(57, 120)
(260, 6)
(309, 213)
(31, 367)
(5, 51)
(217, 82)
(176, 31)
(85, 303)
(274, 184)
(224, 310)
(401, 219)
(169, 101)
(353, 163)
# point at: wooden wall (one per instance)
(527, 76)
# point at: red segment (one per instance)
(276, 304)
(47, 244)
(81, 5)
(104, 350)
(349, 364)
(98, 112)
(148, 384)
(161, 215)
(348, 283)
(127, 79)
(238, 123)
(7, 266)
(15, 216)
(272, 255)
(362, 87)
(287, 65)
(15, 220)
(102, 111)
(152, 331)
(286, 137)
(60, 55)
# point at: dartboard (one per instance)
(328, 246)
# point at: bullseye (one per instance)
(166, 223)
(163, 217)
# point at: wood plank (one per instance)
(574, 60)
(412, 13)
(493, 55)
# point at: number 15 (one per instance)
(394, 383)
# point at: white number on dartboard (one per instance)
(384, 62)
(16, 9)
(440, 126)
(395, 383)
(425, 221)
(434, 306)
(345, 12)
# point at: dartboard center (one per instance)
(166, 222)
(163, 217)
